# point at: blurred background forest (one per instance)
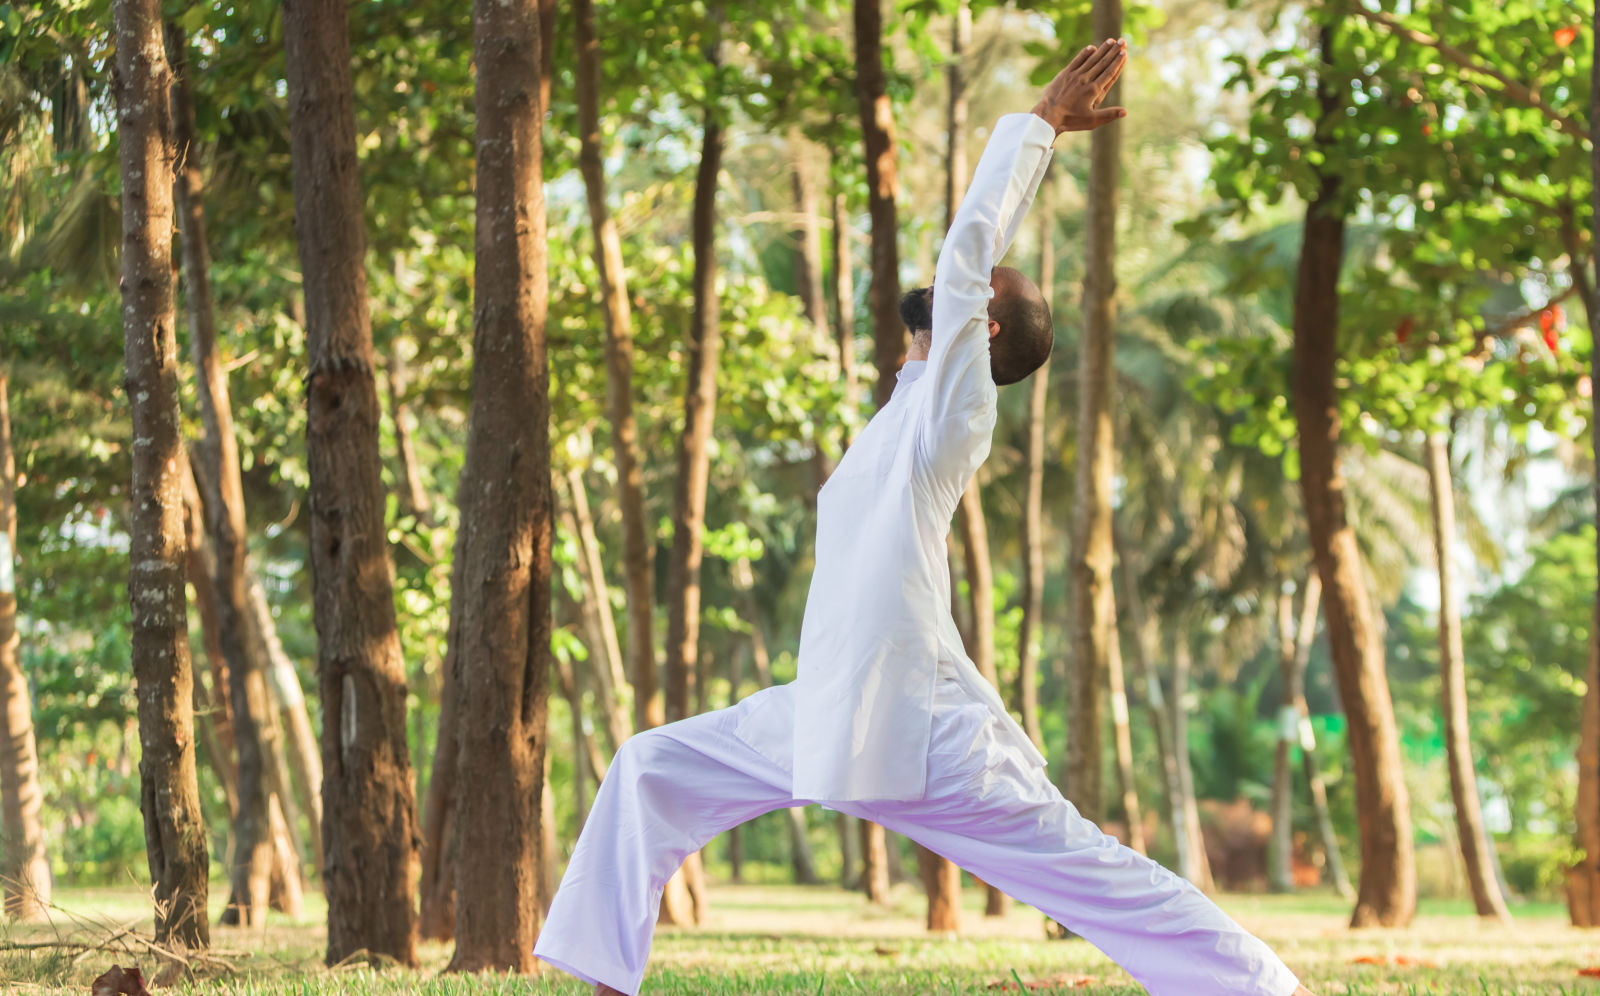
(1448, 141)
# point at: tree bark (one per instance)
(300, 740)
(605, 655)
(174, 827)
(213, 718)
(877, 129)
(1094, 612)
(502, 658)
(1473, 837)
(414, 498)
(1387, 891)
(26, 872)
(1032, 527)
(369, 813)
(638, 549)
(1280, 846)
(874, 863)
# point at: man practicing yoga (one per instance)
(888, 719)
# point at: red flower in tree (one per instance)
(1566, 36)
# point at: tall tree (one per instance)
(26, 868)
(638, 549)
(1583, 880)
(1032, 525)
(606, 655)
(216, 464)
(888, 334)
(1094, 612)
(369, 813)
(174, 827)
(502, 657)
(1473, 837)
(1387, 892)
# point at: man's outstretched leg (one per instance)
(990, 811)
(668, 791)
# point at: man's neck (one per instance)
(919, 346)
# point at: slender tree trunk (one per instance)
(217, 470)
(440, 845)
(414, 498)
(1118, 693)
(883, 185)
(1280, 846)
(300, 740)
(1157, 714)
(845, 824)
(874, 863)
(1583, 880)
(211, 713)
(1094, 612)
(26, 872)
(889, 336)
(369, 813)
(844, 297)
(1032, 538)
(587, 757)
(502, 657)
(1387, 895)
(1194, 841)
(638, 550)
(808, 239)
(1305, 634)
(169, 792)
(606, 655)
(1474, 839)
(941, 880)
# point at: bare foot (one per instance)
(605, 990)
(1303, 991)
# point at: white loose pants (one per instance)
(672, 789)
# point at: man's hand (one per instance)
(1072, 100)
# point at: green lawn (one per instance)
(790, 940)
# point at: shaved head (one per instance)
(1026, 331)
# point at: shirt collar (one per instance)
(909, 372)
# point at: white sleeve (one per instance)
(960, 387)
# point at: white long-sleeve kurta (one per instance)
(877, 619)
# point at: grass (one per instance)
(793, 941)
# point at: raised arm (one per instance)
(1003, 187)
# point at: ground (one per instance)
(781, 940)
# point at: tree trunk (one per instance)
(1094, 611)
(605, 655)
(1474, 839)
(1159, 719)
(874, 863)
(440, 845)
(1280, 846)
(808, 239)
(1032, 528)
(26, 872)
(845, 824)
(587, 759)
(638, 549)
(502, 653)
(877, 129)
(300, 740)
(1305, 633)
(414, 499)
(941, 880)
(1124, 746)
(844, 300)
(1194, 842)
(369, 813)
(1583, 880)
(211, 707)
(216, 458)
(169, 792)
(1387, 895)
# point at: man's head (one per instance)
(1020, 330)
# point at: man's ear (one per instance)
(994, 329)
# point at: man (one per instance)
(888, 719)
